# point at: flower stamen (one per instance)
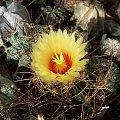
(58, 59)
(60, 63)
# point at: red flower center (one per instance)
(60, 63)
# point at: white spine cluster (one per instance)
(111, 47)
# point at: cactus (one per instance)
(19, 45)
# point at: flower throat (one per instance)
(60, 63)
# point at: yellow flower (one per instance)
(56, 57)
